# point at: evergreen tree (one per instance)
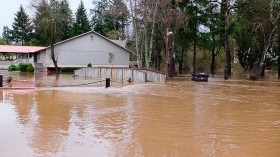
(110, 18)
(6, 35)
(66, 22)
(118, 13)
(193, 11)
(42, 15)
(60, 14)
(22, 28)
(81, 24)
(99, 21)
(2, 42)
(46, 21)
(210, 39)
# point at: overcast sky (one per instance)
(8, 8)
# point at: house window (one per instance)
(23, 56)
(111, 57)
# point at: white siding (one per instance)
(41, 57)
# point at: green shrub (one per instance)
(69, 69)
(22, 67)
(12, 68)
(89, 65)
(30, 68)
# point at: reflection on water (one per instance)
(180, 118)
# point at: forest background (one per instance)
(210, 36)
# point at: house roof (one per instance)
(113, 42)
(20, 49)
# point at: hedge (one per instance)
(22, 67)
(69, 69)
(12, 68)
(30, 68)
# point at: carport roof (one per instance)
(20, 49)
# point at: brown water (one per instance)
(235, 118)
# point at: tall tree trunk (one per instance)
(266, 50)
(152, 36)
(227, 65)
(157, 59)
(138, 56)
(278, 66)
(180, 67)
(146, 42)
(146, 48)
(194, 44)
(194, 56)
(278, 53)
(171, 71)
(136, 32)
(213, 56)
(224, 11)
(228, 42)
(181, 61)
(278, 59)
(166, 52)
(142, 52)
(158, 48)
(53, 57)
(213, 61)
(158, 55)
(54, 54)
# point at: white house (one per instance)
(81, 50)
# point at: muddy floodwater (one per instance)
(234, 118)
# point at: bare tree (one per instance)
(45, 23)
(274, 20)
(149, 17)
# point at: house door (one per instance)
(35, 57)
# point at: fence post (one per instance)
(122, 75)
(145, 75)
(100, 75)
(107, 82)
(85, 73)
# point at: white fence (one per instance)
(122, 74)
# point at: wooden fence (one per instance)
(122, 74)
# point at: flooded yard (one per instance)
(235, 118)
